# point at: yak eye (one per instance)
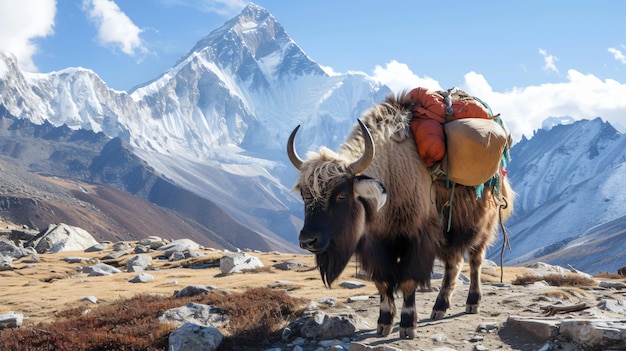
(341, 196)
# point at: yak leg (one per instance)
(476, 257)
(408, 317)
(387, 308)
(453, 264)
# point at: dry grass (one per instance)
(570, 279)
(130, 324)
(50, 295)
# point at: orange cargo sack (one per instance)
(430, 139)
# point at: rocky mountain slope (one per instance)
(206, 139)
(571, 207)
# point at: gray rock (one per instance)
(115, 255)
(180, 245)
(11, 320)
(358, 298)
(193, 337)
(140, 249)
(97, 247)
(153, 242)
(142, 278)
(75, 259)
(13, 251)
(192, 290)
(612, 285)
(138, 263)
(177, 256)
(122, 246)
(63, 237)
(288, 266)
(351, 285)
(618, 306)
(92, 299)
(595, 333)
(206, 315)
(330, 301)
(542, 328)
(101, 269)
(235, 263)
(357, 346)
(322, 326)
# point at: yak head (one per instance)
(338, 202)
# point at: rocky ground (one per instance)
(512, 317)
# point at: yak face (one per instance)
(332, 232)
(338, 205)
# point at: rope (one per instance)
(505, 239)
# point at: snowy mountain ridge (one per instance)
(569, 182)
(216, 124)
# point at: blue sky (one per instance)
(528, 59)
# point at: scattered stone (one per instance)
(330, 301)
(618, 306)
(13, 252)
(113, 255)
(97, 247)
(192, 290)
(122, 246)
(180, 245)
(321, 326)
(487, 327)
(288, 266)
(612, 285)
(92, 299)
(206, 315)
(101, 269)
(357, 346)
(177, 256)
(358, 298)
(75, 259)
(138, 263)
(153, 242)
(351, 285)
(33, 258)
(63, 237)
(193, 337)
(594, 333)
(542, 328)
(142, 278)
(237, 262)
(11, 320)
(140, 249)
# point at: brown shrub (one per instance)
(132, 324)
(570, 279)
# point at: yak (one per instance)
(377, 199)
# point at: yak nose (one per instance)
(310, 240)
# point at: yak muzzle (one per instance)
(312, 241)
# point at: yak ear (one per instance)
(370, 189)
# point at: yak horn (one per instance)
(368, 155)
(291, 150)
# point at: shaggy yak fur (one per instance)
(376, 198)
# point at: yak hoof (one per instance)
(472, 309)
(407, 333)
(384, 329)
(437, 314)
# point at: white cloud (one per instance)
(581, 96)
(618, 55)
(549, 61)
(399, 77)
(20, 23)
(225, 8)
(114, 27)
